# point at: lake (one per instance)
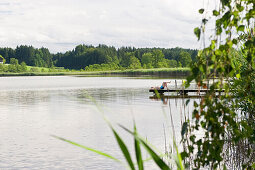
(34, 108)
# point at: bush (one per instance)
(23, 67)
(3, 68)
(34, 69)
(14, 61)
(102, 67)
(12, 68)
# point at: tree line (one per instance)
(90, 57)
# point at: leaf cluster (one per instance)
(226, 118)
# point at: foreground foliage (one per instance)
(221, 132)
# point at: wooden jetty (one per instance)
(183, 91)
(163, 97)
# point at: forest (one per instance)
(101, 57)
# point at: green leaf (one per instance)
(156, 158)
(216, 13)
(87, 148)
(124, 149)
(253, 166)
(240, 28)
(201, 11)
(184, 128)
(218, 30)
(187, 102)
(234, 41)
(197, 32)
(161, 164)
(157, 93)
(213, 42)
(192, 138)
(184, 154)
(238, 76)
(195, 104)
(138, 152)
(213, 59)
(178, 161)
(240, 7)
(204, 21)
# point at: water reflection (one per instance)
(30, 112)
(113, 95)
(23, 98)
(165, 98)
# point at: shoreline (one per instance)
(132, 72)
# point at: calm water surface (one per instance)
(33, 108)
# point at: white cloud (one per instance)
(61, 24)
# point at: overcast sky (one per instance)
(60, 25)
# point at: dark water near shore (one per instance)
(33, 108)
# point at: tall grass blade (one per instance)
(156, 158)
(138, 152)
(157, 93)
(87, 148)
(178, 161)
(161, 164)
(124, 149)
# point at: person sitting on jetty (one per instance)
(163, 86)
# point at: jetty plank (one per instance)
(183, 91)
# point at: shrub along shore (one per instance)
(172, 72)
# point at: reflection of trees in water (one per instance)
(29, 98)
(175, 97)
(23, 97)
(112, 94)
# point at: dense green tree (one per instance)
(26, 54)
(158, 57)
(96, 56)
(172, 63)
(163, 64)
(14, 61)
(185, 59)
(33, 56)
(126, 59)
(7, 53)
(80, 49)
(134, 63)
(147, 60)
(46, 57)
(84, 55)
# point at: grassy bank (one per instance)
(156, 71)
